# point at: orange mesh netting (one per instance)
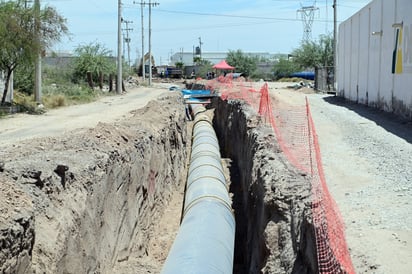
(296, 135)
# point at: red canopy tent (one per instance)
(222, 65)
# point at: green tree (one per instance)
(285, 67)
(94, 58)
(197, 60)
(243, 63)
(19, 42)
(180, 65)
(315, 53)
(205, 66)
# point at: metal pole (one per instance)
(143, 63)
(128, 50)
(37, 79)
(335, 31)
(150, 43)
(200, 47)
(127, 39)
(119, 48)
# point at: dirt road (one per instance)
(58, 121)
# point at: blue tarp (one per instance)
(195, 92)
(308, 75)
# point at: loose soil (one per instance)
(366, 157)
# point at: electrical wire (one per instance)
(234, 16)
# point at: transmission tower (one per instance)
(307, 14)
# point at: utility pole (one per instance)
(150, 39)
(200, 47)
(119, 48)
(37, 69)
(335, 37)
(150, 43)
(127, 38)
(142, 4)
(137, 59)
(143, 54)
(327, 17)
(181, 55)
(123, 42)
(150, 4)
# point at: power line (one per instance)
(236, 16)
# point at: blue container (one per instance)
(196, 92)
(308, 75)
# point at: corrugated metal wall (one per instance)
(375, 56)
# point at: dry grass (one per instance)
(54, 101)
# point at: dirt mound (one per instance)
(90, 198)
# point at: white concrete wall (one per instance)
(366, 52)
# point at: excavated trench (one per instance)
(90, 200)
(271, 200)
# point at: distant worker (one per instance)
(193, 74)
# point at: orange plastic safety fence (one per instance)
(296, 135)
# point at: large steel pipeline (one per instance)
(205, 240)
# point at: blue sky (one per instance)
(257, 26)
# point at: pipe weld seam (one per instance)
(197, 143)
(206, 119)
(205, 154)
(226, 204)
(208, 136)
(219, 168)
(207, 177)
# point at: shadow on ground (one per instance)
(389, 121)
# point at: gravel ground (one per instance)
(367, 157)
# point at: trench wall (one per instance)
(92, 196)
(272, 203)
